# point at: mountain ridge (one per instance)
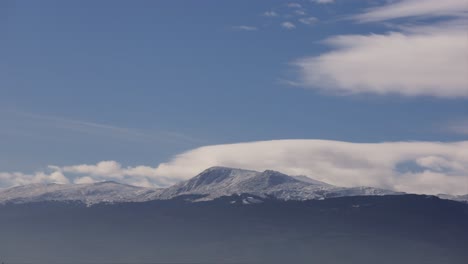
(210, 184)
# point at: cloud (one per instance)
(8, 179)
(300, 12)
(270, 14)
(323, 1)
(111, 170)
(84, 180)
(430, 62)
(410, 60)
(294, 5)
(245, 28)
(415, 167)
(308, 20)
(288, 25)
(33, 121)
(415, 8)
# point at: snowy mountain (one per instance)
(216, 182)
(210, 184)
(102, 192)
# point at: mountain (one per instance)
(216, 182)
(210, 184)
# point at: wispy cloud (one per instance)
(415, 8)
(308, 20)
(288, 25)
(270, 14)
(323, 1)
(300, 12)
(101, 129)
(294, 5)
(245, 28)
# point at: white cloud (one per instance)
(415, 8)
(270, 14)
(112, 170)
(109, 168)
(245, 28)
(323, 1)
(288, 25)
(308, 20)
(428, 61)
(84, 180)
(18, 178)
(415, 167)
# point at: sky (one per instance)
(363, 92)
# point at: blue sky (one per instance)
(140, 82)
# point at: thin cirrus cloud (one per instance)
(323, 1)
(427, 60)
(415, 167)
(35, 122)
(415, 8)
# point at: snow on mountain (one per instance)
(220, 181)
(212, 183)
(102, 192)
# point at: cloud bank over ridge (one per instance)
(416, 167)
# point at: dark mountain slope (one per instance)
(373, 229)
